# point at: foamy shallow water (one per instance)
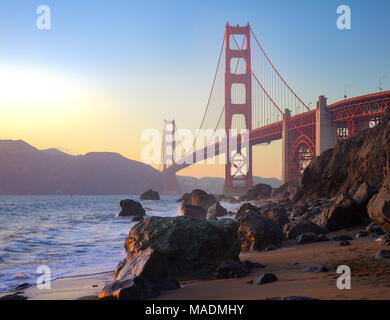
(76, 235)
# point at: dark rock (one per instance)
(131, 208)
(193, 247)
(23, 286)
(316, 269)
(187, 210)
(322, 238)
(271, 247)
(294, 229)
(378, 208)
(361, 234)
(216, 211)
(257, 232)
(244, 209)
(344, 243)
(150, 195)
(343, 213)
(277, 215)
(252, 265)
(305, 238)
(264, 279)
(232, 269)
(383, 254)
(342, 238)
(299, 298)
(14, 296)
(121, 290)
(374, 228)
(199, 198)
(258, 192)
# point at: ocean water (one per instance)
(74, 236)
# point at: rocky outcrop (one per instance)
(150, 195)
(131, 208)
(192, 247)
(344, 212)
(187, 210)
(259, 191)
(379, 208)
(295, 229)
(257, 232)
(277, 215)
(199, 198)
(216, 211)
(364, 158)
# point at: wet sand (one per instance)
(370, 277)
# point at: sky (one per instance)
(107, 70)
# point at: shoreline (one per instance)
(370, 277)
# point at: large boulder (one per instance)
(259, 191)
(257, 232)
(277, 215)
(131, 208)
(379, 208)
(364, 193)
(187, 210)
(344, 212)
(198, 198)
(216, 211)
(150, 195)
(141, 277)
(295, 229)
(193, 247)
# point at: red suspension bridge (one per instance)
(255, 97)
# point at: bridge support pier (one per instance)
(285, 146)
(326, 130)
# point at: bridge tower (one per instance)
(170, 185)
(238, 169)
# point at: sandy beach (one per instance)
(370, 277)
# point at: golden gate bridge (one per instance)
(255, 97)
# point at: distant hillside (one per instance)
(215, 185)
(27, 170)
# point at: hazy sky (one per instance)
(109, 69)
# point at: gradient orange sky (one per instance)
(96, 81)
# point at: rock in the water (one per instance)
(199, 198)
(216, 211)
(188, 210)
(316, 269)
(244, 209)
(343, 213)
(294, 229)
(277, 215)
(383, 254)
(131, 208)
(265, 278)
(258, 192)
(344, 243)
(378, 208)
(150, 195)
(342, 238)
(361, 234)
(232, 269)
(257, 232)
(193, 247)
